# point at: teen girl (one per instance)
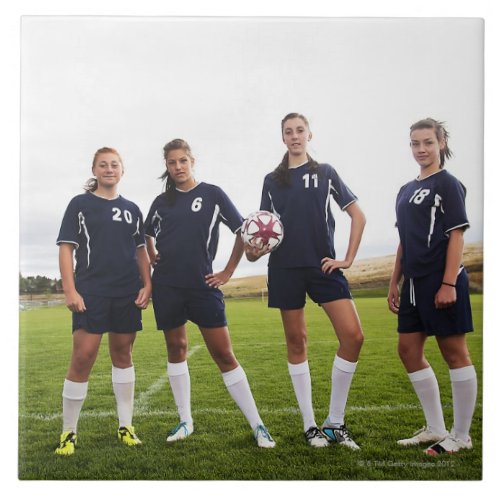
(110, 285)
(299, 191)
(183, 227)
(434, 301)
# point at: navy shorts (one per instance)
(109, 314)
(174, 306)
(288, 287)
(422, 315)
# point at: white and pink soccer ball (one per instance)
(262, 229)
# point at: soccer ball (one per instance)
(261, 229)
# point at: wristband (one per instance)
(448, 284)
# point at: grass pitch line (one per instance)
(146, 412)
(142, 402)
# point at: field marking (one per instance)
(141, 403)
(146, 412)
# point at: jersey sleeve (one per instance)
(338, 189)
(70, 225)
(266, 202)
(139, 237)
(149, 222)
(455, 215)
(228, 214)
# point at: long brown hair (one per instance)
(441, 134)
(282, 173)
(170, 192)
(91, 184)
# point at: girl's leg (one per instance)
(123, 375)
(219, 345)
(178, 375)
(463, 382)
(425, 384)
(85, 349)
(344, 318)
(294, 325)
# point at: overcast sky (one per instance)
(224, 85)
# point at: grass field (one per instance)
(381, 407)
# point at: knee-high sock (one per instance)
(464, 391)
(123, 380)
(426, 386)
(180, 382)
(342, 373)
(301, 381)
(237, 385)
(73, 395)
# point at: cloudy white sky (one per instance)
(135, 83)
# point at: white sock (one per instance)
(342, 373)
(427, 389)
(464, 391)
(74, 394)
(301, 381)
(237, 385)
(180, 382)
(123, 380)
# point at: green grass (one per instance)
(382, 406)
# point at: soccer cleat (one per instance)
(449, 444)
(67, 443)
(263, 438)
(315, 439)
(181, 431)
(422, 436)
(126, 435)
(338, 434)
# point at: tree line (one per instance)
(37, 285)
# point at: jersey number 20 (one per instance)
(117, 215)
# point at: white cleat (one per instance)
(263, 438)
(338, 434)
(422, 436)
(182, 431)
(314, 438)
(449, 444)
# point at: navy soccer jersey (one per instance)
(426, 211)
(303, 207)
(106, 235)
(187, 233)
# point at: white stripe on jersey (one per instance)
(156, 228)
(437, 203)
(272, 206)
(81, 222)
(327, 204)
(212, 224)
(137, 227)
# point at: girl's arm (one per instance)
(217, 279)
(150, 245)
(144, 294)
(397, 273)
(358, 221)
(74, 301)
(447, 295)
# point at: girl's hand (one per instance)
(142, 300)
(74, 302)
(445, 297)
(253, 253)
(215, 280)
(328, 265)
(393, 298)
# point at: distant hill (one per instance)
(365, 274)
